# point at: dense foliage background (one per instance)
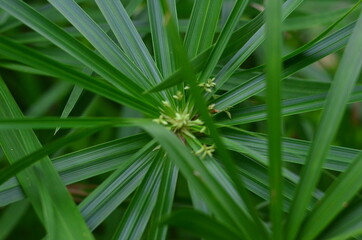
(84, 90)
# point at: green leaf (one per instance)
(164, 202)
(253, 170)
(328, 45)
(325, 32)
(201, 225)
(48, 99)
(291, 106)
(315, 20)
(11, 23)
(117, 187)
(35, 156)
(22, 68)
(256, 178)
(170, 6)
(72, 100)
(347, 225)
(200, 104)
(241, 36)
(128, 37)
(176, 78)
(50, 216)
(63, 40)
(335, 200)
(36, 38)
(237, 39)
(160, 41)
(197, 202)
(10, 192)
(344, 80)
(132, 6)
(42, 194)
(28, 56)
(11, 216)
(84, 164)
(249, 47)
(202, 26)
(237, 47)
(137, 215)
(289, 177)
(223, 39)
(95, 160)
(217, 199)
(273, 58)
(295, 150)
(214, 168)
(100, 40)
(53, 122)
(317, 39)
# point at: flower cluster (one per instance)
(183, 120)
(209, 85)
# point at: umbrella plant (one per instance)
(190, 78)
